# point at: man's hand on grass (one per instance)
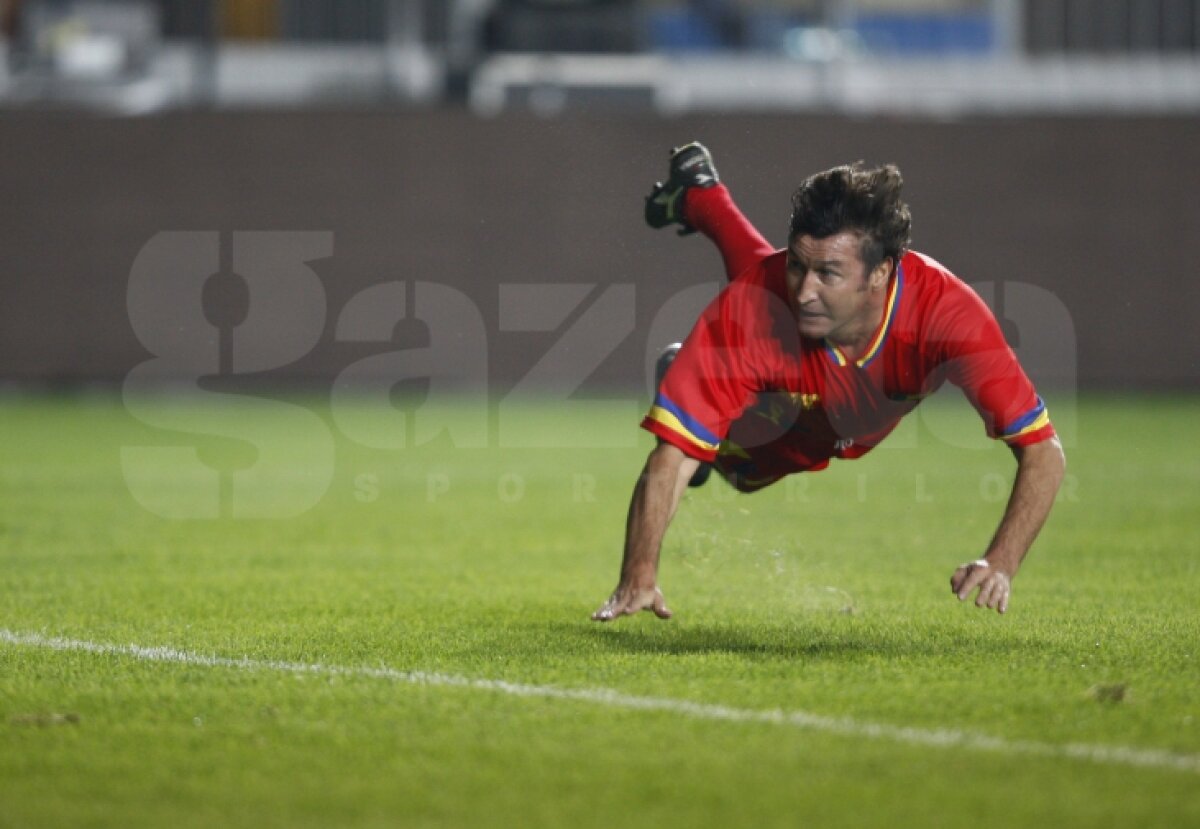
(994, 584)
(627, 600)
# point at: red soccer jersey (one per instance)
(752, 395)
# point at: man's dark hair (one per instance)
(855, 197)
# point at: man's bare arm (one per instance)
(655, 498)
(1040, 470)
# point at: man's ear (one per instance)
(881, 273)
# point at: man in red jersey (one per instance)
(815, 352)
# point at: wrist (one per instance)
(639, 576)
(997, 560)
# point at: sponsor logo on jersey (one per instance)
(805, 401)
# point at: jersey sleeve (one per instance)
(710, 383)
(974, 355)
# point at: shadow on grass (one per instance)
(789, 641)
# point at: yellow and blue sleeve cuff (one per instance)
(666, 413)
(1033, 420)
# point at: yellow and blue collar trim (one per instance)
(889, 316)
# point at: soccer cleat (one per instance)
(691, 166)
(660, 371)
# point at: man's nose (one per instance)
(808, 288)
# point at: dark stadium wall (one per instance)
(1078, 229)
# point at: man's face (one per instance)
(829, 288)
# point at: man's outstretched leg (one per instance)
(694, 198)
(660, 370)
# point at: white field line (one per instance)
(845, 726)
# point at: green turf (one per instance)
(828, 596)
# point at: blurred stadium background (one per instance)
(474, 143)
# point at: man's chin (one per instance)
(813, 327)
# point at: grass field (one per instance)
(826, 600)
